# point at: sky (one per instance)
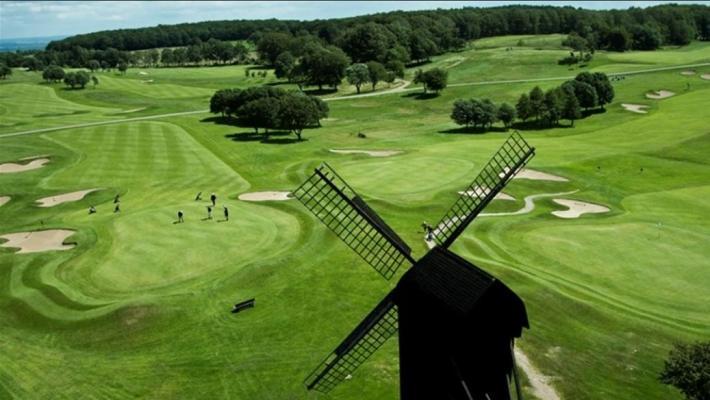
(23, 19)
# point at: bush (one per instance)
(688, 369)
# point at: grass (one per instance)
(140, 308)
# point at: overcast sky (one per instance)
(20, 19)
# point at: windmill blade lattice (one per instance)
(342, 210)
(365, 339)
(505, 163)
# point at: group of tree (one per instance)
(77, 79)
(566, 102)
(212, 51)
(266, 107)
(416, 35)
(434, 79)
(5, 71)
(371, 73)
(482, 112)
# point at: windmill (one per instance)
(456, 323)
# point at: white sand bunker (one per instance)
(33, 242)
(372, 153)
(479, 191)
(33, 157)
(265, 196)
(688, 73)
(660, 94)
(131, 110)
(9, 168)
(4, 200)
(577, 208)
(52, 201)
(142, 73)
(705, 76)
(637, 108)
(534, 175)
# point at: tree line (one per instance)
(212, 51)
(568, 101)
(266, 107)
(425, 33)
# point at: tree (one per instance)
(585, 93)
(601, 84)
(576, 42)
(221, 100)
(396, 68)
(462, 112)
(618, 39)
(94, 80)
(552, 107)
(53, 73)
(688, 369)
(357, 74)
(271, 44)
(93, 65)
(488, 114)
(32, 64)
(523, 107)
(323, 65)
(434, 79)
(283, 64)
(646, 37)
(123, 67)
(377, 73)
(259, 113)
(570, 105)
(536, 102)
(367, 42)
(506, 114)
(5, 71)
(679, 32)
(297, 112)
(74, 79)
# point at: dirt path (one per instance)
(399, 89)
(540, 383)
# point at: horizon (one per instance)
(62, 19)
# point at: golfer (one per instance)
(209, 212)
(213, 197)
(226, 213)
(198, 197)
(180, 216)
(117, 208)
(92, 210)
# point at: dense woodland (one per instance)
(394, 37)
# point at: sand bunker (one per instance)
(688, 73)
(577, 208)
(660, 94)
(372, 153)
(34, 157)
(52, 201)
(705, 76)
(142, 73)
(4, 199)
(534, 175)
(33, 242)
(637, 108)
(265, 196)
(131, 110)
(479, 191)
(9, 168)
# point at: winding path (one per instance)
(398, 89)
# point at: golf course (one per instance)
(604, 236)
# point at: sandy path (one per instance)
(398, 89)
(577, 208)
(539, 176)
(33, 242)
(372, 153)
(688, 73)
(479, 191)
(265, 196)
(130, 111)
(637, 108)
(4, 200)
(9, 168)
(660, 94)
(705, 76)
(52, 201)
(540, 383)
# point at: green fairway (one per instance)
(140, 307)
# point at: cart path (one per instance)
(539, 382)
(398, 89)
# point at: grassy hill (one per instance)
(140, 307)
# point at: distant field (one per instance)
(140, 307)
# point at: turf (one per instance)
(140, 308)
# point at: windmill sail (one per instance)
(342, 210)
(367, 337)
(505, 163)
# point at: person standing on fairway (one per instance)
(226, 213)
(116, 199)
(198, 197)
(180, 216)
(117, 208)
(213, 197)
(209, 212)
(92, 210)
